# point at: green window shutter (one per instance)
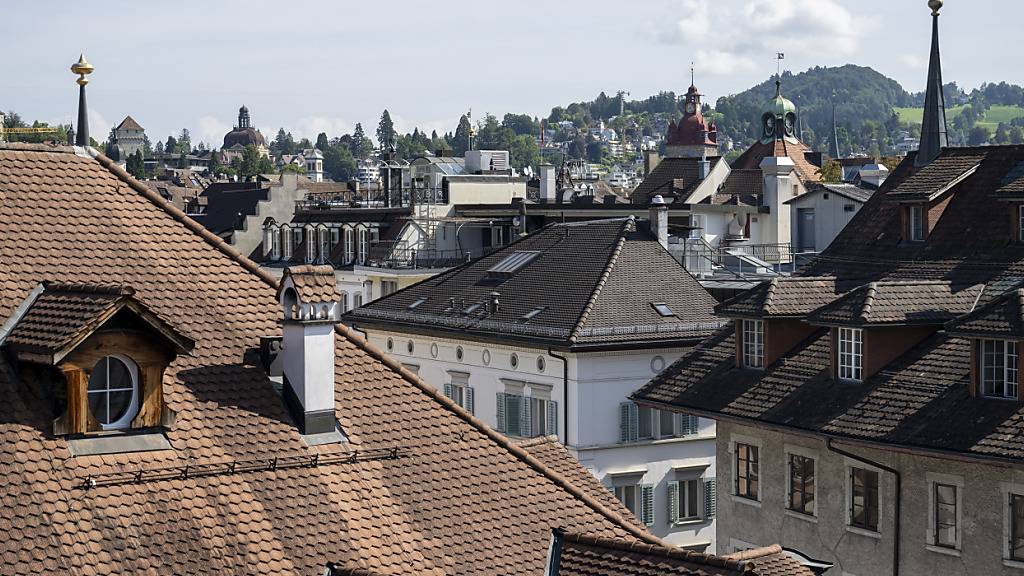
(514, 414)
(552, 421)
(448, 390)
(470, 403)
(647, 504)
(502, 424)
(710, 498)
(624, 421)
(526, 416)
(634, 422)
(673, 503)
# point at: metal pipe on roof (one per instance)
(565, 392)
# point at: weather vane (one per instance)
(779, 57)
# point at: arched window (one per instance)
(286, 241)
(275, 243)
(310, 244)
(324, 245)
(350, 254)
(113, 392)
(364, 243)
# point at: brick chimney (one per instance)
(312, 307)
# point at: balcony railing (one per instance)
(700, 258)
(398, 255)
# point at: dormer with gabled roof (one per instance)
(924, 195)
(110, 349)
(996, 331)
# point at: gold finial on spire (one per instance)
(935, 5)
(82, 68)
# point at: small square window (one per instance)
(864, 499)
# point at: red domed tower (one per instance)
(691, 137)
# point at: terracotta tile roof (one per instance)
(458, 499)
(576, 554)
(772, 561)
(1001, 318)
(313, 283)
(590, 282)
(797, 152)
(671, 177)
(899, 302)
(59, 316)
(128, 123)
(793, 296)
(554, 455)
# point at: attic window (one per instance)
(663, 309)
(533, 313)
(915, 215)
(512, 263)
(417, 303)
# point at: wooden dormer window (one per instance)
(998, 370)
(753, 344)
(109, 348)
(916, 225)
(850, 354)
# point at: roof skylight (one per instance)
(662, 308)
(512, 263)
(472, 308)
(533, 313)
(417, 303)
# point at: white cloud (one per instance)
(913, 61)
(99, 127)
(735, 35)
(212, 131)
(311, 126)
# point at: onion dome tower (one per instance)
(778, 121)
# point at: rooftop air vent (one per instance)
(510, 264)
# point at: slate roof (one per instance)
(576, 554)
(226, 201)
(313, 283)
(595, 283)
(781, 297)
(920, 400)
(671, 177)
(851, 191)
(899, 302)
(748, 182)
(797, 152)
(935, 178)
(1001, 318)
(410, 514)
(55, 317)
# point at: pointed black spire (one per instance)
(835, 134)
(933, 126)
(83, 69)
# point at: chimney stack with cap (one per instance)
(312, 307)
(659, 219)
(548, 184)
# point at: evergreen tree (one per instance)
(147, 146)
(460, 141)
(361, 147)
(185, 142)
(339, 162)
(321, 141)
(214, 166)
(172, 145)
(135, 165)
(386, 131)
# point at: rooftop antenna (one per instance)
(692, 83)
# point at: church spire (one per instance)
(933, 127)
(835, 132)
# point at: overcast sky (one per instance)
(323, 66)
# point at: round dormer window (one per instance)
(113, 392)
(391, 344)
(514, 360)
(410, 346)
(459, 353)
(540, 364)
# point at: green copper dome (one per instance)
(779, 106)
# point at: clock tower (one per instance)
(692, 137)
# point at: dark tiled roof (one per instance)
(936, 177)
(313, 283)
(672, 176)
(584, 555)
(749, 181)
(781, 297)
(797, 152)
(1001, 318)
(851, 191)
(226, 202)
(899, 302)
(62, 315)
(921, 399)
(409, 515)
(595, 282)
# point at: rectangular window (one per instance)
(628, 496)
(350, 246)
(753, 343)
(286, 243)
(851, 353)
(864, 499)
(801, 484)
(310, 245)
(685, 500)
(510, 413)
(645, 419)
(944, 499)
(999, 368)
(364, 245)
(275, 241)
(460, 391)
(637, 423)
(388, 287)
(666, 424)
(747, 459)
(916, 215)
(1016, 513)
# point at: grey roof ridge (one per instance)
(869, 300)
(769, 296)
(498, 438)
(574, 334)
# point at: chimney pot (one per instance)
(659, 219)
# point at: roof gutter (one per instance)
(896, 519)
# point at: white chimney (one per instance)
(659, 219)
(703, 167)
(548, 184)
(311, 309)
